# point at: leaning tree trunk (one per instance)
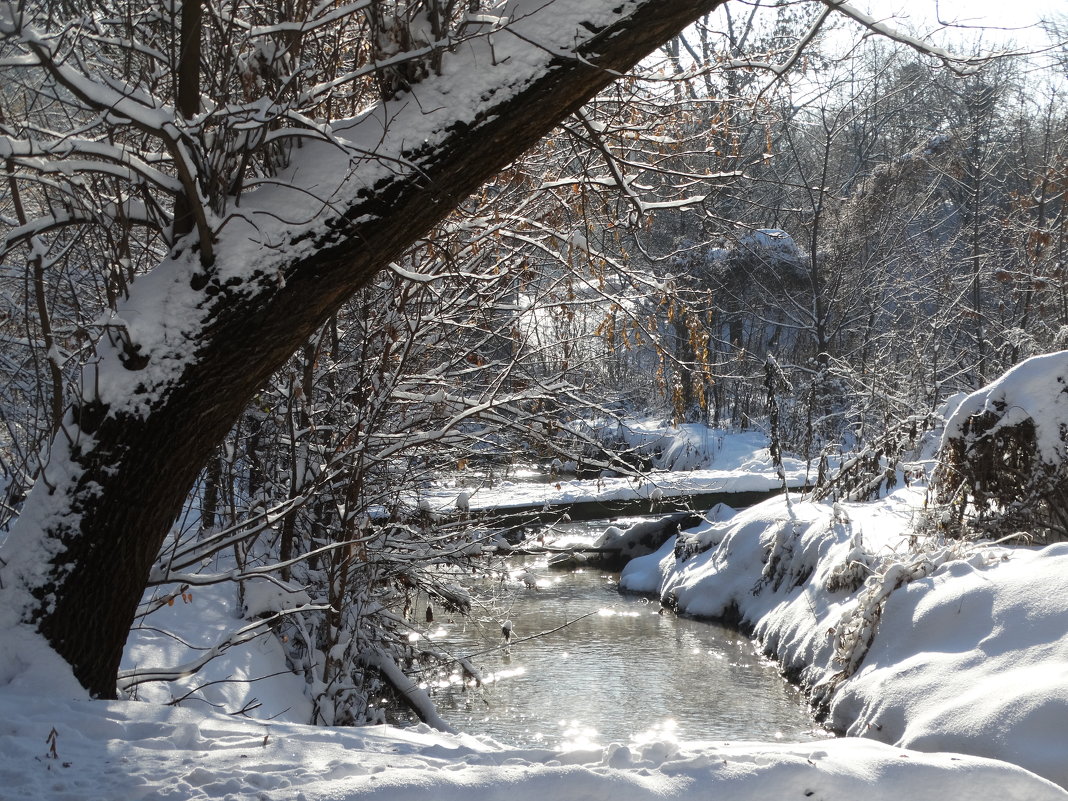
(131, 447)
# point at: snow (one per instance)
(960, 694)
(968, 642)
(984, 670)
(693, 446)
(689, 459)
(266, 596)
(131, 751)
(251, 677)
(1034, 390)
(518, 494)
(771, 245)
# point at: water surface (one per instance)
(613, 669)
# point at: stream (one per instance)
(612, 668)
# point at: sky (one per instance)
(1016, 16)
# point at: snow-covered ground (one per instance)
(57, 744)
(969, 659)
(687, 460)
(969, 643)
(128, 751)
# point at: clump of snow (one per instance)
(772, 245)
(972, 659)
(463, 502)
(264, 596)
(1035, 390)
(643, 537)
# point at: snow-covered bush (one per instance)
(884, 464)
(849, 574)
(787, 564)
(1002, 469)
(854, 632)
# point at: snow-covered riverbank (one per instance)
(687, 460)
(57, 744)
(970, 659)
(968, 643)
(129, 751)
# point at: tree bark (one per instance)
(120, 473)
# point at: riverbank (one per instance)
(688, 461)
(54, 748)
(58, 744)
(939, 647)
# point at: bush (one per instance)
(1002, 469)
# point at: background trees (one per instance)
(899, 185)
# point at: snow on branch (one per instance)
(131, 103)
(118, 161)
(409, 691)
(131, 213)
(265, 572)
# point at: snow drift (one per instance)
(958, 647)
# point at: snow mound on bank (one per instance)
(968, 643)
(251, 677)
(974, 660)
(125, 750)
(1033, 391)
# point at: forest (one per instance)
(268, 271)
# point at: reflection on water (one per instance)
(621, 672)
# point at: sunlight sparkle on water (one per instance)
(511, 673)
(577, 736)
(608, 611)
(665, 730)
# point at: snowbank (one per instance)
(1034, 391)
(126, 750)
(688, 459)
(252, 677)
(968, 644)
